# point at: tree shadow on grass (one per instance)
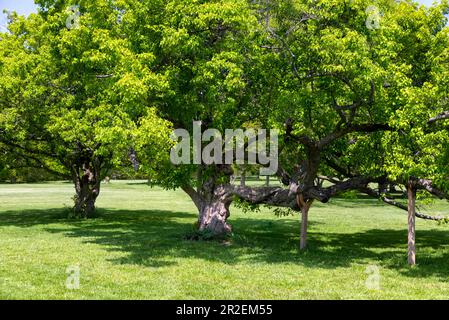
(138, 183)
(155, 238)
(359, 202)
(30, 218)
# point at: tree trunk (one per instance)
(267, 181)
(243, 179)
(213, 217)
(305, 207)
(411, 192)
(392, 188)
(87, 186)
(212, 201)
(383, 187)
(304, 225)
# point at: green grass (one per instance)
(135, 249)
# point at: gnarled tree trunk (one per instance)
(213, 208)
(86, 176)
(213, 216)
(212, 199)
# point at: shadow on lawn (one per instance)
(356, 203)
(154, 238)
(30, 218)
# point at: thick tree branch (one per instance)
(274, 196)
(442, 116)
(193, 194)
(283, 197)
(425, 184)
(325, 194)
(392, 202)
(38, 162)
(362, 128)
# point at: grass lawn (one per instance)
(135, 249)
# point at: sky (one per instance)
(26, 7)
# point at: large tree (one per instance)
(384, 80)
(334, 76)
(72, 92)
(358, 92)
(365, 93)
(209, 54)
(319, 70)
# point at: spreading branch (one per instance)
(362, 128)
(442, 116)
(372, 193)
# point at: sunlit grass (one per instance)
(135, 249)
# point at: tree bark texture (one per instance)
(411, 192)
(87, 180)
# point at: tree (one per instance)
(355, 80)
(72, 92)
(325, 74)
(418, 147)
(358, 92)
(207, 53)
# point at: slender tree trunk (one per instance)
(411, 191)
(392, 188)
(304, 225)
(243, 179)
(383, 187)
(305, 207)
(267, 181)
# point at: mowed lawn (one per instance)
(135, 249)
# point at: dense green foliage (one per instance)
(72, 98)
